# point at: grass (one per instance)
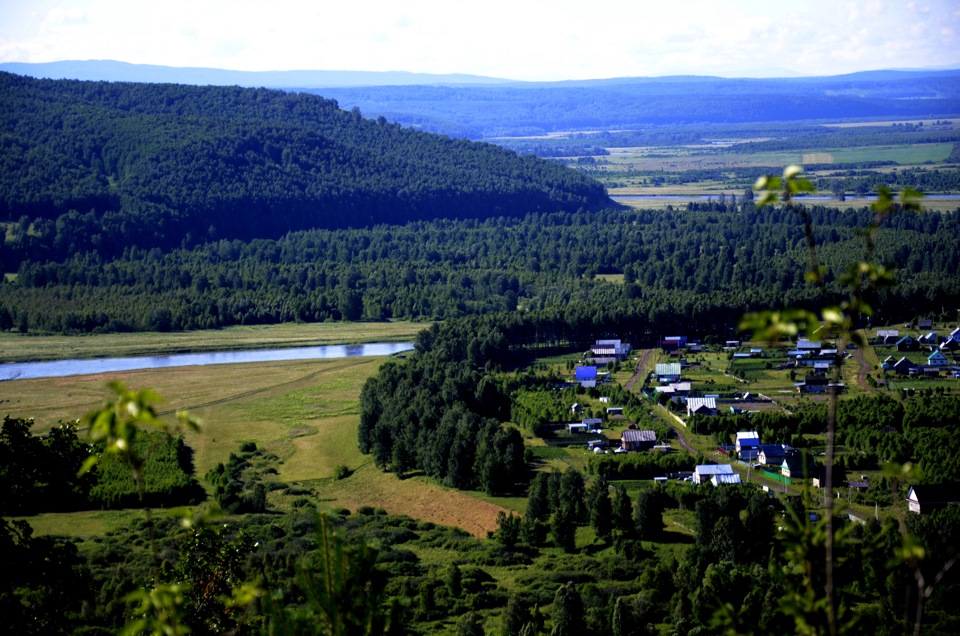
(306, 412)
(81, 525)
(20, 348)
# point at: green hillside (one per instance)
(95, 165)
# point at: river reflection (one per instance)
(61, 368)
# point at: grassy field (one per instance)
(19, 348)
(306, 412)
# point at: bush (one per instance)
(341, 472)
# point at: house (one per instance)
(675, 388)
(904, 367)
(615, 411)
(794, 467)
(950, 344)
(604, 399)
(803, 344)
(701, 406)
(575, 408)
(907, 344)
(703, 473)
(577, 427)
(888, 336)
(587, 377)
(937, 359)
(747, 440)
(672, 343)
(817, 384)
(925, 323)
(634, 440)
(668, 372)
(611, 348)
(593, 423)
(773, 454)
(930, 338)
(716, 480)
(732, 344)
(924, 498)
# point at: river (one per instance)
(62, 368)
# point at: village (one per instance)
(687, 385)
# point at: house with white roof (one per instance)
(701, 406)
(716, 480)
(668, 372)
(703, 473)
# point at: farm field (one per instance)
(19, 348)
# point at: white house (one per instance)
(704, 472)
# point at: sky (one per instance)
(542, 40)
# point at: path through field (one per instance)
(641, 369)
(414, 496)
(864, 370)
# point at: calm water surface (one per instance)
(61, 368)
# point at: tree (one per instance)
(515, 615)
(622, 512)
(568, 612)
(563, 530)
(648, 515)
(469, 625)
(601, 509)
(571, 495)
(508, 529)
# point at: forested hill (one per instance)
(97, 165)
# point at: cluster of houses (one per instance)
(668, 375)
(601, 353)
(783, 458)
(939, 350)
(816, 359)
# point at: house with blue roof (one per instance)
(586, 377)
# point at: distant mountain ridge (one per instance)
(478, 107)
(113, 71)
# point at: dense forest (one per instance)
(717, 262)
(104, 166)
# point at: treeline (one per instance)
(40, 473)
(716, 264)
(100, 166)
(883, 429)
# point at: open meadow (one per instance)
(304, 412)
